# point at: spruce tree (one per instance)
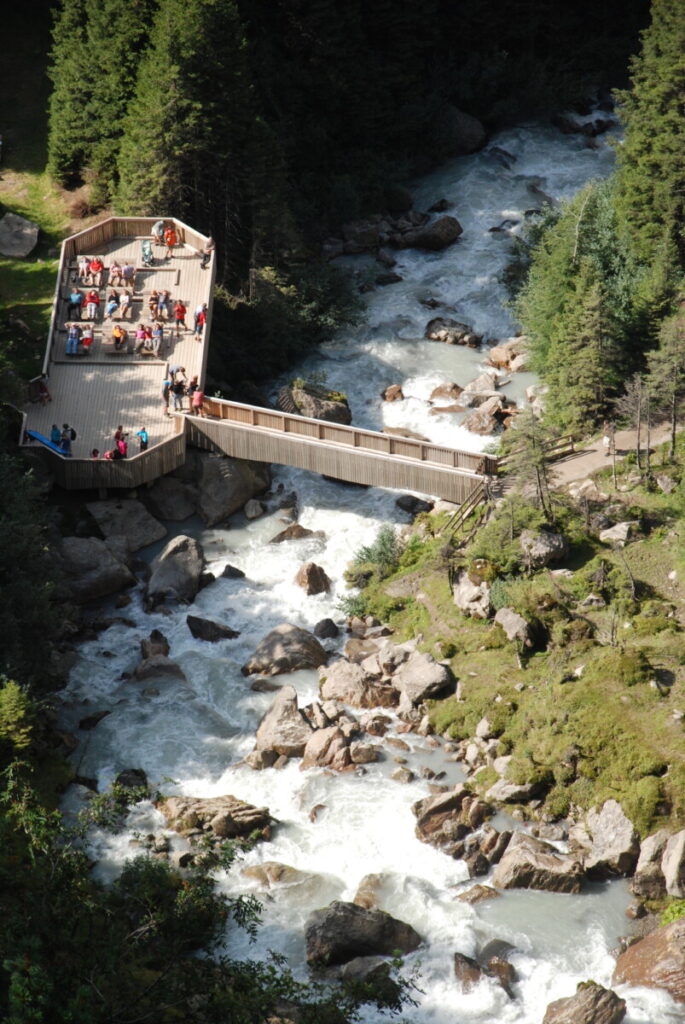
(667, 372)
(68, 132)
(652, 159)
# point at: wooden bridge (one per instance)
(97, 392)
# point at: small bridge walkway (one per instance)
(96, 392)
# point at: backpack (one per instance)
(72, 433)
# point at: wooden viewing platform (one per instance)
(96, 392)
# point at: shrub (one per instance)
(673, 912)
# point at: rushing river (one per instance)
(190, 737)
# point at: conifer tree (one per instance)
(667, 372)
(652, 159)
(67, 134)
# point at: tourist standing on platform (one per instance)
(171, 240)
(55, 434)
(174, 372)
(200, 320)
(166, 392)
(197, 402)
(67, 436)
(207, 251)
(95, 454)
(75, 302)
(142, 436)
(180, 317)
(158, 232)
(44, 395)
(178, 389)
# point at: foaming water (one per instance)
(191, 736)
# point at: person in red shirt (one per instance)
(92, 304)
(180, 317)
(95, 268)
(171, 239)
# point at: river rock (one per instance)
(18, 236)
(294, 532)
(127, 518)
(657, 961)
(253, 509)
(673, 865)
(225, 817)
(418, 678)
(176, 572)
(591, 1004)
(172, 499)
(483, 420)
(471, 598)
(206, 629)
(393, 393)
(457, 133)
(467, 971)
(132, 778)
(615, 844)
(231, 572)
(342, 931)
(501, 356)
(449, 331)
(92, 568)
(436, 235)
(346, 681)
(158, 666)
(272, 872)
(447, 392)
(155, 643)
(648, 882)
(364, 753)
(478, 894)
(317, 404)
(226, 484)
(507, 792)
(529, 863)
(286, 648)
(284, 728)
(514, 625)
(326, 629)
(442, 820)
(313, 579)
(327, 748)
(539, 549)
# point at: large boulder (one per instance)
(457, 133)
(443, 820)
(347, 681)
(502, 355)
(484, 420)
(472, 598)
(327, 748)
(436, 235)
(284, 729)
(530, 863)
(619, 534)
(286, 648)
(342, 931)
(176, 572)
(225, 817)
(648, 882)
(313, 579)
(127, 518)
(92, 568)
(418, 678)
(319, 404)
(673, 865)
(539, 549)
(514, 625)
(657, 961)
(451, 332)
(591, 1004)
(226, 484)
(18, 236)
(158, 666)
(615, 843)
(206, 629)
(172, 499)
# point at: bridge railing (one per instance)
(352, 437)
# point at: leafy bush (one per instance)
(673, 912)
(376, 560)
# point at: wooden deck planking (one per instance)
(97, 392)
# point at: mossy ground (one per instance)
(591, 712)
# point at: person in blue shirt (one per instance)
(73, 338)
(142, 436)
